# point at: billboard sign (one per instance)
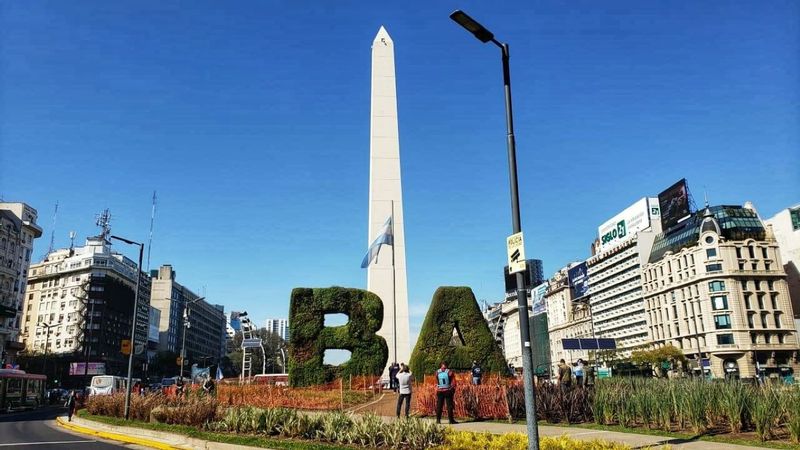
(79, 368)
(537, 299)
(674, 204)
(626, 224)
(579, 279)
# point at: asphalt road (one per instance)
(37, 430)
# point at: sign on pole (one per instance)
(125, 347)
(516, 253)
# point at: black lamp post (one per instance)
(186, 325)
(484, 35)
(133, 327)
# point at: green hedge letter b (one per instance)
(309, 337)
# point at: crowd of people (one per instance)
(579, 373)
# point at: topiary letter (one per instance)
(309, 337)
(455, 331)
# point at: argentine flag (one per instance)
(385, 238)
(219, 373)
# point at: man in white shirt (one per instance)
(404, 379)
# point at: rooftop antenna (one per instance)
(103, 221)
(71, 242)
(152, 221)
(705, 196)
(53, 231)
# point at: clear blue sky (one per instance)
(251, 120)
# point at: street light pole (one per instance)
(133, 326)
(484, 35)
(186, 325)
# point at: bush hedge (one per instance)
(310, 337)
(455, 308)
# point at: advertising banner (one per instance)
(579, 280)
(95, 368)
(626, 224)
(674, 204)
(537, 299)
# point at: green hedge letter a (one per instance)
(309, 337)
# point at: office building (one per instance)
(716, 288)
(279, 327)
(18, 229)
(614, 276)
(205, 337)
(82, 298)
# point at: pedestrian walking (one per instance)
(70, 404)
(179, 388)
(394, 369)
(579, 372)
(404, 379)
(208, 386)
(564, 374)
(445, 391)
(477, 373)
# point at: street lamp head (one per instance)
(127, 241)
(469, 24)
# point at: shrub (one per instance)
(516, 441)
(455, 308)
(310, 338)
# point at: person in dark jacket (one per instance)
(477, 373)
(394, 369)
(70, 404)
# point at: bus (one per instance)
(20, 390)
(109, 384)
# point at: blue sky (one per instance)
(251, 120)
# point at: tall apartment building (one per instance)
(86, 295)
(207, 333)
(786, 228)
(615, 288)
(279, 327)
(566, 319)
(18, 229)
(716, 288)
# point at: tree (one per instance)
(658, 356)
(272, 344)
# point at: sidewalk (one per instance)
(172, 441)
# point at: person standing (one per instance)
(564, 374)
(477, 373)
(393, 371)
(404, 379)
(70, 404)
(445, 391)
(579, 372)
(208, 386)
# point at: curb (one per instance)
(63, 423)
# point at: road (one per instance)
(37, 430)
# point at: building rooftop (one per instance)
(735, 222)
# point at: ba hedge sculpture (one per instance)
(455, 331)
(309, 337)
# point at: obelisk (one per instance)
(386, 200)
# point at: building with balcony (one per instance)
(81, 300)
(207, 332)
(566, 319)
(18, 229)
(279, 327)
(615, 290)
(716, 288)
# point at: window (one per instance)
(767, 338)
(760, 301)
(780, 339)
(774, 299)
(713, 268)
(764, 320)
(751, 320)
(711, 253)
(719, 302)
(747, 301)
(777, 320)
(722, 322)
(709, 239)
(739, 252)
(753, 338)
(752, 252)
(764, 252)
(767, 265)
(716, 286)
(725, 339)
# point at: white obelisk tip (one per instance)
(382, 36)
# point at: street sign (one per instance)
(251, 343)
(125, 347)
(516, 253)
